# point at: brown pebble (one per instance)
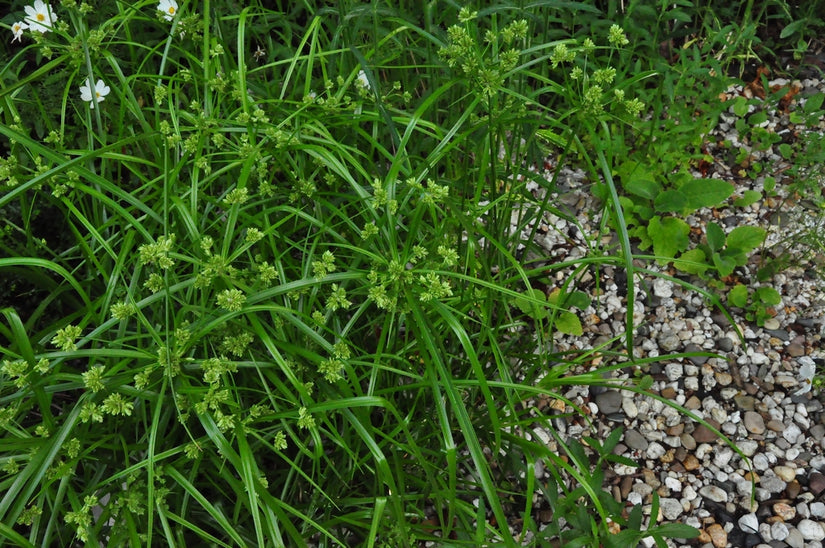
(723, 378)
(693, 403)
(784, 511)
(676, 430)
(627, 485)
(668, 392)
(793, 489)
(775, 425)
(816, 483)
(795, 350)
(650, 478)
(718, 536)
(681, 453)
(703, 537)
(751, 388)
(691, 463)
(667, 458)
(751, 476)
(703, 434)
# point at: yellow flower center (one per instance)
(41, 17)
(171, 10)
(97, 93)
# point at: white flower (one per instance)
(362, 79)
(40, 17)
(169, 9)
(101, 91)
(18, 29)
(806, 375)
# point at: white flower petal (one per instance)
(169, 9)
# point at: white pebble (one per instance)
(817, 509)
(675, 485)
(811, 530)
(791, 433)
(655, 451)
(749, 523)
(779, 531)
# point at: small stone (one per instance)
(745, 403)
(688, 442)
(609, 402)
(676, 430)
(795, 350)
(793, 489)
(635, 440)
(696, 360)
(749, 523)
(693, 403)
(817, 509)
(691, 463)
(724, 379)
(723, 456)
(725, 344)
(754, 423)
(668, 392)
(673, 484)
(792, 433)
(703, 434)
(748, 447)
(802, 510)
(669, 342)
(630, 409)
(779, 531)
(760, 462)
(714, 493)
(655, 451)
(671, 508)
(784, 511)
(718, 536)
(795, 539)
(662, 288)
(775, 425)
(817, 462)
(674, 371)
(772, 484)
(816, 483)
(772, 324)
(811, 530)
(785, 473)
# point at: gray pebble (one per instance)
(609, 402)
(671, 508)
(772, 484)
(696, 360)
(635, 440)
(725, 344)
(780, 334)
(795, 538)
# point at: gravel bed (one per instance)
(757, 394)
